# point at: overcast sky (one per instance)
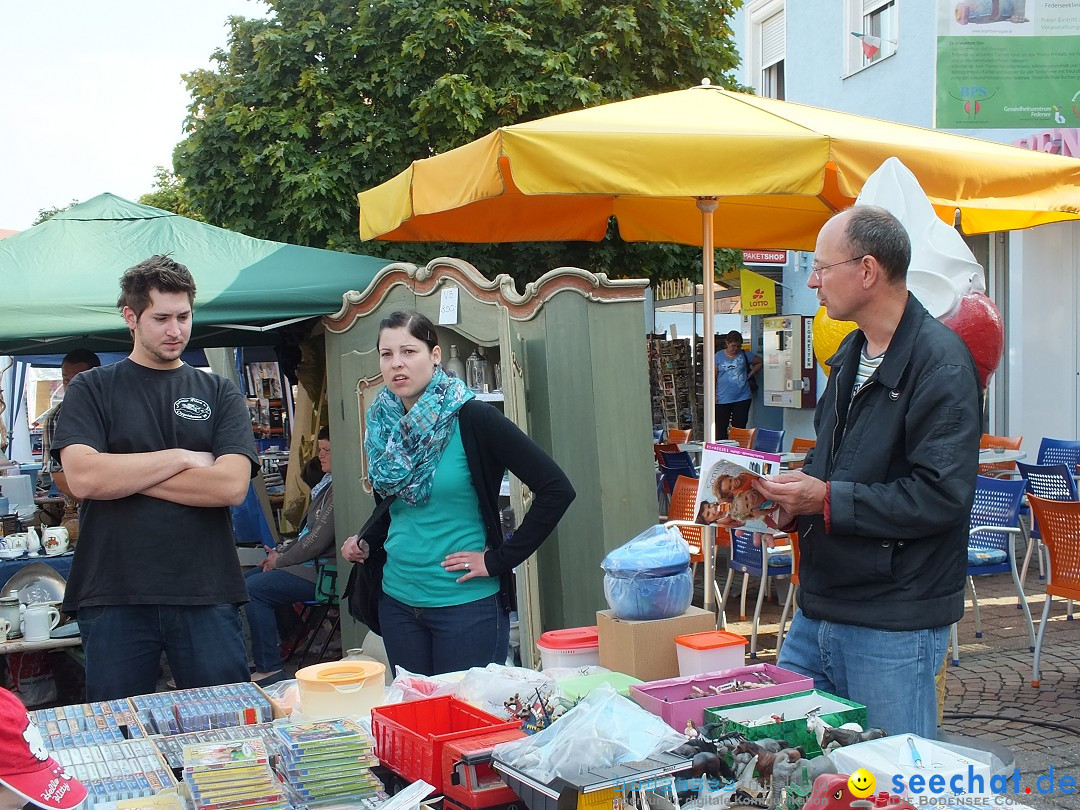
(92, 94)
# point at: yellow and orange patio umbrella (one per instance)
(662, 165)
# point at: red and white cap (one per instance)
(25, 765)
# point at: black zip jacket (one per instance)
(902, 456)
(494, 444)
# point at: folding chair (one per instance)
(999, 469)
(800, 445)
(1059, 451)
(316, 611)
(744, 436)
(1060, 521)
(1053, 482)
(994, 521)
(681, 515)
(759, 561)
(793, 586)
(767, 441)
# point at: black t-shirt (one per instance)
(141, 550)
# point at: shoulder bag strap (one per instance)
(376, 515)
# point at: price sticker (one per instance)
(448, 307)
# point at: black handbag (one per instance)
(750, 381)
(364, 588)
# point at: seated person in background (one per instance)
(287, 574)
(74, 363)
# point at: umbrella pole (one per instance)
(708, 287)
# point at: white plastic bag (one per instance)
(503, 691)
(602, 731)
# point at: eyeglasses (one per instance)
(820, 271)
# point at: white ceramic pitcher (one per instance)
(39, 621)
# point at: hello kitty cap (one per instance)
(25, 765)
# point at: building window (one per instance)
(772, 80)
(877, 22)
(766, 42)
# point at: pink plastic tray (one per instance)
(666, 698)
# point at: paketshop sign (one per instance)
(764, 256)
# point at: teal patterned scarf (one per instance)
(404, 447)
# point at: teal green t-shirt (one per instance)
(422, 535)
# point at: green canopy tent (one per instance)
(60, 279)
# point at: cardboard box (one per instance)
(646, 650)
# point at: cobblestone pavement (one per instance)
(989, 694)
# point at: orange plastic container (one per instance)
(711, 651)
(409, 737)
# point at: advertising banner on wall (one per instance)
(1008, 64)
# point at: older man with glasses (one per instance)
(881, 504)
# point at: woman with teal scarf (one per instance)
(442, 454)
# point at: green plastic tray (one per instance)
(577, 688)
(835, 711)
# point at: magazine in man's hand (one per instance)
(725, 496)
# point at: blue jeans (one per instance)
(430, 641)
(891, 672)
(267, 590)
(123, 646)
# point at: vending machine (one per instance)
(790, 370)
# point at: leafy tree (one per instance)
(325, 98)
(45, 214)
(169, 195)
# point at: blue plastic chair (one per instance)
(1060, 451)
(994, 521)
(759, 561)
(1054, 482)
(674, 465)
(768, 441)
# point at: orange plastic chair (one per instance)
(678, 436)
(800, 445)
(744, 436)
(999, 467)
(681, 515)
(1059, 522)
(793, 585)
(681, 509)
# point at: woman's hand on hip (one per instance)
(355, 550)
(468, 563)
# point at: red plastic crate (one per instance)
(409, 737)
(468, 775)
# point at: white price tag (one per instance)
(448, 306)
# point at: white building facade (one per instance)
(804, 51)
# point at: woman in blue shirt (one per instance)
(734, 368)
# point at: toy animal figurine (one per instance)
(712, 766)
(835, 737)
(766, 760)
(817, 725)
(801, 772)
(746, 790)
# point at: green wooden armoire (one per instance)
(571, 350)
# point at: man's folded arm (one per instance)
(108, 476)
(225, 483)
